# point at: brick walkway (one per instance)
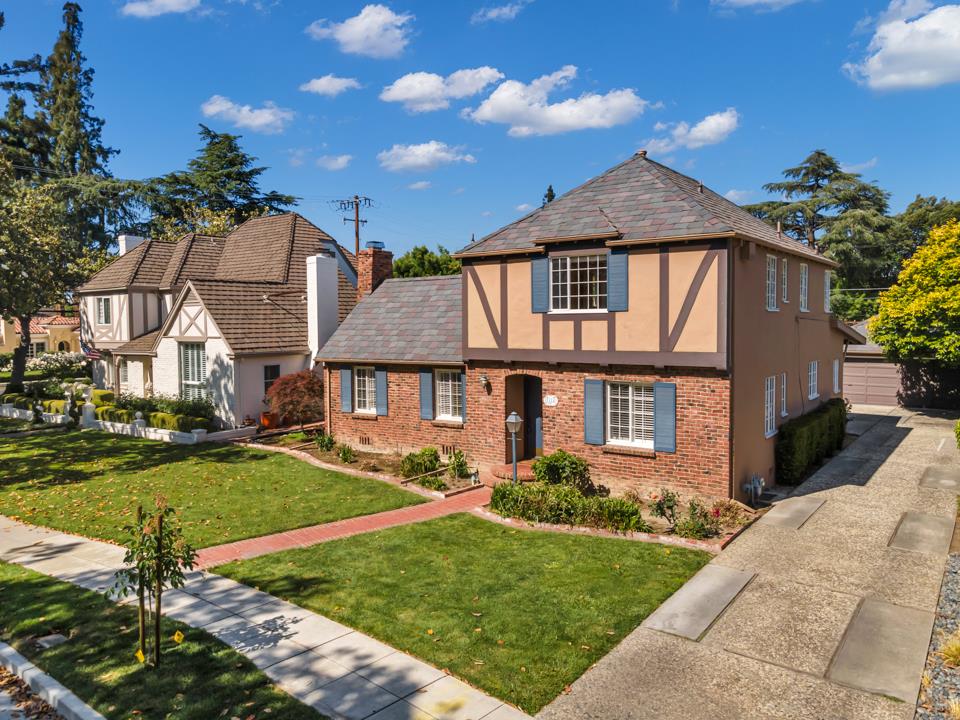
(305, 537)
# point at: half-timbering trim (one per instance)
(713, 360)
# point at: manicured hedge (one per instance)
(805, 441)
(56, 407)
(102, 397)
(565, 505)
(182, 423)
(110, 413)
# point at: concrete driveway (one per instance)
(822, 609)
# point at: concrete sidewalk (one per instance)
(342, 673)
(833, 596)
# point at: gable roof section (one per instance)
(639, 200)
(405, 320)
(258, 250)
(195, 256)
(144, 266)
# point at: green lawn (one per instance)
(200, 679)
(13, 425)
(90, 483)
(518, 613)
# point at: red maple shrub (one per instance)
(298, 397)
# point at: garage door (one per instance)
(869, 383)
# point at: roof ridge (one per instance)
(139, 260)
(290, 244)
(423, 277)
(700, 209)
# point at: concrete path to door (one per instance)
(823, 609)
(343, 673)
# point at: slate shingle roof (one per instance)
(640, 200)
(143, 266)
(406, 320)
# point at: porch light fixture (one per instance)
(514, 422)
(484, 381)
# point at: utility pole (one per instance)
(354, 204)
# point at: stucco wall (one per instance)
(769, 343)
(106, 336)
(249, 385)
(135, 378)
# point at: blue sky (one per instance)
(728, 91)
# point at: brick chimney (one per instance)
(374, 265)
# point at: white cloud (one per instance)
(770, 5)
(297, 156)
(268, 119)
(334, 162)
(419, 185)
(425, 156)
(329, 85)
(376, 32)
(458, 191)
(913, 46)
(154, 8)
(738, 196)
(860, 167)
(524, 207)
(711, 130)
(525, 107)
(499, 13)
(424, 92)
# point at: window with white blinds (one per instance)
(827, 281)
(364, 390)
(124, 372)
(804, 287)
(449, 395)
(784, 294)
(813, 385)
(783, 395)
(103, 311)
(769, 403)
(771, 282)
(193, 370)
(630, 414)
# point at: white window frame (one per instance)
(638, 437)
(36, 349)
(368, 376)
(771, 285)
(124, 372)
(836, 376)
(448, 395)
(561, 277)
(827, 283)
(769, 406)
(813, 380)
(804, 287)
(783, 395)
(104, 310)
(193, 370)
(784, 291)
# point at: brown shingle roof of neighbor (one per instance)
(143, 266)
(406, 320)
(249, 322)
(638, 200)
(194, 257)
(140, 345)
(258, 250)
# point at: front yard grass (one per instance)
(199, 679)
(91, 482)
(8, 425)
(520, 614)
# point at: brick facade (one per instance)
(700, 466)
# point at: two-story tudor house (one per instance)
(641, 321)
(221, 317)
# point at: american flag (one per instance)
(90, 352)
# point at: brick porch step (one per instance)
(505, 472)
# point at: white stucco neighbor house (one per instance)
(220, 317)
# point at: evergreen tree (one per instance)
(222, 178)
(548, 196)
(921, 216)
(421, 262)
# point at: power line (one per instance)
(354, 204)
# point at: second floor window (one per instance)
(578, 282)
(827, 278)
(771, 282)
(804, 286)
(103, 311)
(365, 390)
(449, 395)
(784, 295)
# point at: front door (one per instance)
(523, 396)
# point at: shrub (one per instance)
(665, 505)
(59, 364)
(458, 467)
(564, 505)
(14, 387)
(420, 463)
(729, 513)
(808, 439)
(297, 397)
(698, 522)
(433, 482)
(111, 413)
(55, 407)
(103, 397)
(346, 454)
(326, 442)
(563, 468)
(135, 403)
(181, 423)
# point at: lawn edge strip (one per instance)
(46, 687)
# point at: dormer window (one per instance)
(578, 283)
(103, 311)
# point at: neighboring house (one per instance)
(220, 317)
(641, 321)
(48, 333)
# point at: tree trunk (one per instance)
(20, 352)
(159, 573)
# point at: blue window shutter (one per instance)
(346, 390)
(665, 417)
(617, 281)
(593, 412)
(463, 394)
(426, 394)
(540, 284)
(381, 377)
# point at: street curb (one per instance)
(45, 687)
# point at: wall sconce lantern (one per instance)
(484, 382)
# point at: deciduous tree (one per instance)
(422, 262)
